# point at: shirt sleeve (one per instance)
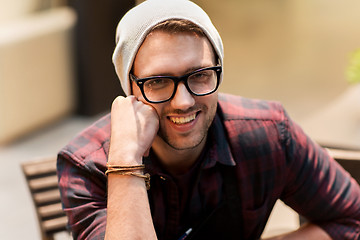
(83, 193)
(319, 188)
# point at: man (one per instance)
(217, 163)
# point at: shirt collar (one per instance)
(219, 148)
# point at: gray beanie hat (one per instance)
(136, 24)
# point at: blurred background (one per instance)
(56, 75)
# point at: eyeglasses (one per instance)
(159, 89)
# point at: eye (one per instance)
(201, 76)
(158, 83)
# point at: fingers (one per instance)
(120, 102)
(134, 126)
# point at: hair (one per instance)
(175, 26)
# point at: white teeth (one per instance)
(183, 120)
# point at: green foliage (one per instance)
(353, 69)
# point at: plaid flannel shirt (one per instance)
(271, 155)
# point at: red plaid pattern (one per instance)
(271, 155)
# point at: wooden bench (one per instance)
(348, 159)
(42, 181)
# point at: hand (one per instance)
(134, 126)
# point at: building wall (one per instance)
(292, 51)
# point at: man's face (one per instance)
(185, 119)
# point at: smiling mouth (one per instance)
(183, 120)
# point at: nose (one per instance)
(183, 99)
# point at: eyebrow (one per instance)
(189, 70)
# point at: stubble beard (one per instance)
(192, 140)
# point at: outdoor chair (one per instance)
(42, 182)
(349, 160)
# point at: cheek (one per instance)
(137, 93)
(211, 101)
(212, 106)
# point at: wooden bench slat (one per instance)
(48, 196)
(51, 210)
(39, 167)
(344, 154)
(45, 182)
(55, 224)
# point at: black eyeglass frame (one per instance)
(141, 81)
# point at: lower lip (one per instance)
(184, 127)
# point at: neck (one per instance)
(174, 160)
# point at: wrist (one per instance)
(123, 159)
(129, 171)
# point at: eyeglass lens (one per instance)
(199, 83)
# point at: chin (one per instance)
(185, 143)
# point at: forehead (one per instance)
(167, 36)
(162, 51)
